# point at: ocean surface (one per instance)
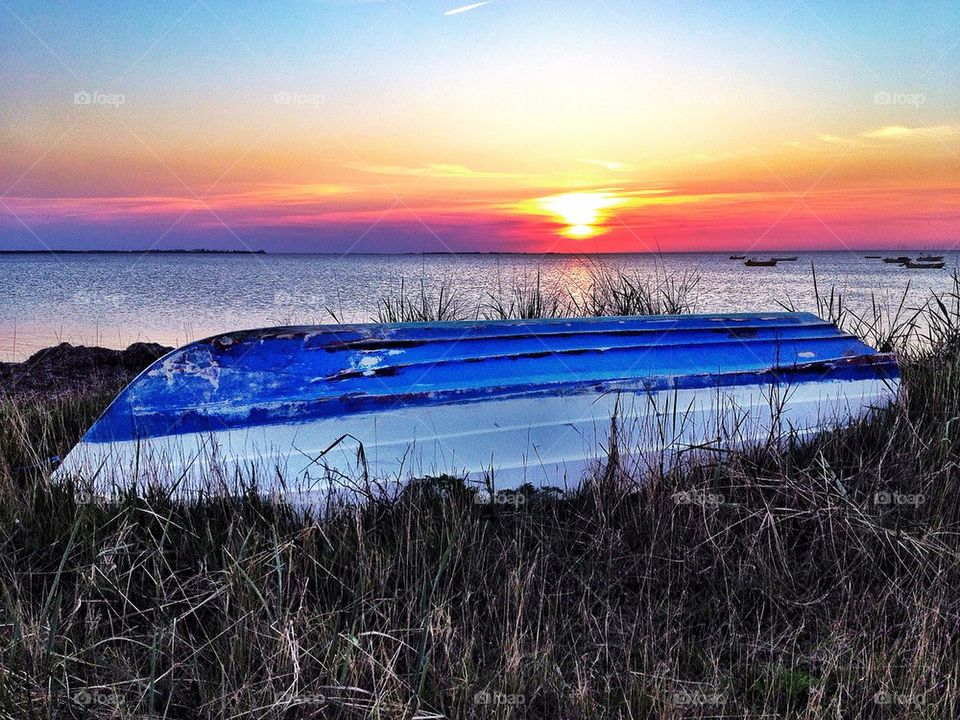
(117, 299)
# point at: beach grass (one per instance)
(808, 580)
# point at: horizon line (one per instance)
(206, 251)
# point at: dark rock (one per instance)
(68, 368)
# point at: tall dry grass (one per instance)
(606, 291)
(814, 580)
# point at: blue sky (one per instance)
(681, 96)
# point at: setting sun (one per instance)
(582, 213)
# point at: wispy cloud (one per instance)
(889, 133)
(435, 170)
(835, 140)
(612, 165)
(900, 132)
(466, 8)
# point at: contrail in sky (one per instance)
(465, 8)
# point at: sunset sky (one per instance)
(512, 125)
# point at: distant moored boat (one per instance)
(753, 262)
(899, 259)
(738, 257)
(930, 258)
(923, 265)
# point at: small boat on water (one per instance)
(872, 257)
(899, 259)
(317, 412)
(738, 257)
(753, 262)
(930, 258)
(785, 259)
(923, 265)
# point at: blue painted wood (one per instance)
(294, 374)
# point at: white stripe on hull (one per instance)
(544, 441)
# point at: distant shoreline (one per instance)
(133, 252)
(201, 251)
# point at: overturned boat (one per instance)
(330, 409)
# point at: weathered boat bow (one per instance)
(310, 409)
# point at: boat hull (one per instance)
(343, 411)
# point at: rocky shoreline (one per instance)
(67, 368)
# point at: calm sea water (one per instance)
(116, 299)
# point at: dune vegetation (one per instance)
(814, 579)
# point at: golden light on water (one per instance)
(583, 214)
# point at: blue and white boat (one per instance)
(329, 409)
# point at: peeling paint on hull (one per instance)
(530, 401)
